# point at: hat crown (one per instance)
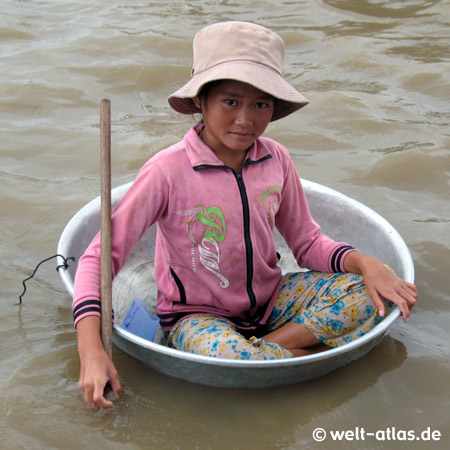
(237, 41)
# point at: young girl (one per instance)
(217, 196)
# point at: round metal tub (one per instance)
(340, 217)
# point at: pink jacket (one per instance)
(214, 248)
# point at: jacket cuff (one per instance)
(338, 256)
(86, 308)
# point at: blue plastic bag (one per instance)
(140, 322)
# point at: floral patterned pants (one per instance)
(334, 307)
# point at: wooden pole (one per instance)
(106, 265)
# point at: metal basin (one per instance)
(340, 217)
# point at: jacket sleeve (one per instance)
(311, 248)
(142, 205)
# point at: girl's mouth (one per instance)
(241, 134)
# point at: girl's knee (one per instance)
(217, 337)
(192, 328)
(349, 282)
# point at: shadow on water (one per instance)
(164, 411)
(206, 417)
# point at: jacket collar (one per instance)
(200, 154)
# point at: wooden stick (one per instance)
(106, 265)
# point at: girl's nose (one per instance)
(245, 116)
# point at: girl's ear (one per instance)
(196, 101)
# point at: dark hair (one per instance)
(204, 90)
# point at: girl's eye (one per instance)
(263, 105)
(230, 102)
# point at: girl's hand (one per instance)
(96, 371)
(382, 283)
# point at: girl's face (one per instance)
(234, 114)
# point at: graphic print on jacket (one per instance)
(206, 228)
(269, 200)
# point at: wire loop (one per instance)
(65, 265)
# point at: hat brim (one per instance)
(257, 75)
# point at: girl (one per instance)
(217, 196)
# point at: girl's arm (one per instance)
(143, 204)
(382, 283)
(317, 251)
(311, 248)
(96, 367)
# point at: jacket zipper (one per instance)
(246, 215)
(179, 286)
(247, 239)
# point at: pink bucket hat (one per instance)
(241, 51)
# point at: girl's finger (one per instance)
(402, 305)
(115, 384)
(88, 391)
(403, 298)
(378, 302)
(412, 286)
(409, 289)
(407, 295)
(98, 398)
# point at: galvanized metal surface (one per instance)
(339, 216)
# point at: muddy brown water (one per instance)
(378, 77)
